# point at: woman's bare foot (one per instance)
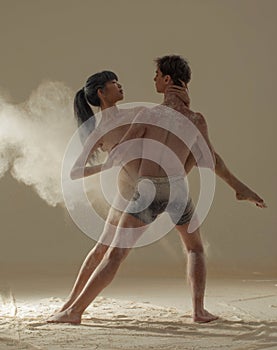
(66, 305)
(66, 316)
(204, 316)
(251, 196)
(63, 308)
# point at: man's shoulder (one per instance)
(198, 118)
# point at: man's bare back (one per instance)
(152, 155)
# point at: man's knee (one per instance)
(192, 242)
(197, 249)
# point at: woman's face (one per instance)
(112, 92)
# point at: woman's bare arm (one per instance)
(80, 168)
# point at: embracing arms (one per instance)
(80, 168)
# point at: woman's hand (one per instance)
(80, 172)
(181, 92)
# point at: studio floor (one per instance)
(141, 314)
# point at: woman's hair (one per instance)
(88, 95)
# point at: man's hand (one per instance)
(249, 195)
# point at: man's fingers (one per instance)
(258, 201)
(261, 204)
(261, 201)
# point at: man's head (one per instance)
(170, 70)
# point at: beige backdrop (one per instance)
(231, 46)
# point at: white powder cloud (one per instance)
(34, 136)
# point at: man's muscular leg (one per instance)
(196, 271)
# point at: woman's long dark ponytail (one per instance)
(82, 109)
(88, 96)
(84, 115)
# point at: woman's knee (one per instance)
(116, 254)
(100, 249)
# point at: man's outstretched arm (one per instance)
(242, 191)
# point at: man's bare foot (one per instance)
(252, 197)
(66, 316)
(204, 316)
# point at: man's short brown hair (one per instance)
(176, 67)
